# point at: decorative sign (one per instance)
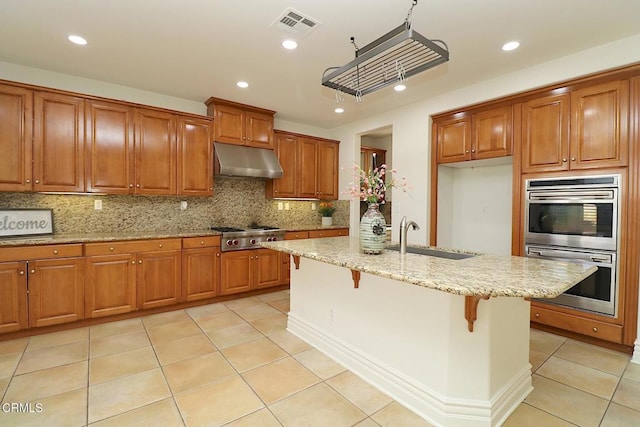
(25, 222)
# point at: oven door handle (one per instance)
(572, 195)
(552, 253)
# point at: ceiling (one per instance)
(195, 49)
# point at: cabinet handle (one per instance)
(564, 160)
(244, 139)
(21, 272)
(595, 329)
(160, 245)
(537, 314)
(37, 181)
(139, 261)
(276, 191)
(467, 151)
(473, 151)
(33, 271)
(133, 262)
(55, 252)
(130, 185)
(202, 242)
(137, 185)
(573, 159)
(256, 257)
(111, 248)
(28, 181)
(210, 188)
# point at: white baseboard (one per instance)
(636, 352)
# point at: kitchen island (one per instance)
(447, 338)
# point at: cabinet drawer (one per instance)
(329, 233)
(25, 253)
(200, 242)
(294, 235)
(132, 246)
(580, 325)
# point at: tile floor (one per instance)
(235, 364)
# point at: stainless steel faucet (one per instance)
(404, 226)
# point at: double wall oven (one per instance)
(576, 219)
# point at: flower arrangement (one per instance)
(326, 209)
(374, 184)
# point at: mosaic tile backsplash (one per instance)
(237, 202)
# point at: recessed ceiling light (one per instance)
(339, 110)
(289, 44)
(77, 40)
(510, 46)
(242, 84)
(399, 87)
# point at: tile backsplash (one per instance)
(237, 202)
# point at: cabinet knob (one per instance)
(28, 181)
(217, 255)
(33, 271)
(21, 272)
(140, 261)
(160, 245)
(210, 188)
(130, 185)
(37, 181)
(466, 151)
(244, 139)
(202, 242)
(595, 329)
(573, 159)
(133, 262)
(55, 252)
(537, 314)
(473, 151)
(256, 257)
(564, 160)
(137, 185)
(276, 191)
(111, 248)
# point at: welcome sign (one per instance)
(25, 222)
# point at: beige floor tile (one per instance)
(165, 318)
(242, 303)
(58, 338)
(618, 416)
(274, 296)
(283, 305)
(319, 406)
(544, 341)
(127, 326)
(8, 364)
(579, 376)
(367, 422)
(566, 402)
(628, 394)
(280, 379)
(197, 371)
(159, 414)
(253, 354)
(217, 321)
(600, 358)
(113, 344)
(234, 335)
(64, 410)
(261, 418)
(119, 365)
(289, 342)
(632, 372)
(397, 415)
(173, 331)
(217, 403)
(184, 348)
(124, 394)
(537, 358)
(49, 357)
(206, 310)
(13, 346)
(271, 324)
(257, 311)
(528, 416)
(40, 384)
(319, 363)
(366, 397)
(4, 382)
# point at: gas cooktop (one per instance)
(235, 239)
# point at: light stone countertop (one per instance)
(483, 274)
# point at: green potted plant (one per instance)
(327, 210)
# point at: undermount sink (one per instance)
(431, 252)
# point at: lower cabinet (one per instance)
(110, 286)
(13, 296)
(243, 271)
(200, 268)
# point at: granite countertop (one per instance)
(483, 274)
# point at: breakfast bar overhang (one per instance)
(447, 338)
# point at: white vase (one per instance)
(372, 230)
(327, 221)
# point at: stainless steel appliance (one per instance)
(236, 239)
(576, 219)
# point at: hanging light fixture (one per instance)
(403, 46)
(339, 108)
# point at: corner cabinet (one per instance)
(240, 124)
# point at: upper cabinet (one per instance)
(481, 135)
(584, 129)
(366, 157)
(16, 113)
(241, 124)
(156, 152)
(310, 167)
(195, 154)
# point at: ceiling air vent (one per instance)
(293, 22)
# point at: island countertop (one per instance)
(480, 275)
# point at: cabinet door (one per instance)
(56, 291)
(195, 157)
(307, 167)
(156, 152)
(545, 134)
(159, 278)
(58, 143)
(110, 285)
(286, 268)
(491, 135)
(235, 272)
(599, 126)
(259, 130)
(228, 125)
(267, 268)
(110, 153)
(366, 158)
(200, 273)
(16, 111)
(454, 140)
(286, 150)
(327, 183)
(13, 296)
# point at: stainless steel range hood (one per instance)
(238, 160)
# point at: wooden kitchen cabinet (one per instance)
(286, 150)
(453, 139)
(13, 296)
(240, 124)
(156, 152)
(16, 127)
(267, 268)
(307, 168)
(195, 154)
(332, 232)
(327, 170)
(200, 268)
(110, 285)
(366, 157)
(246, 270)
(159, 278)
